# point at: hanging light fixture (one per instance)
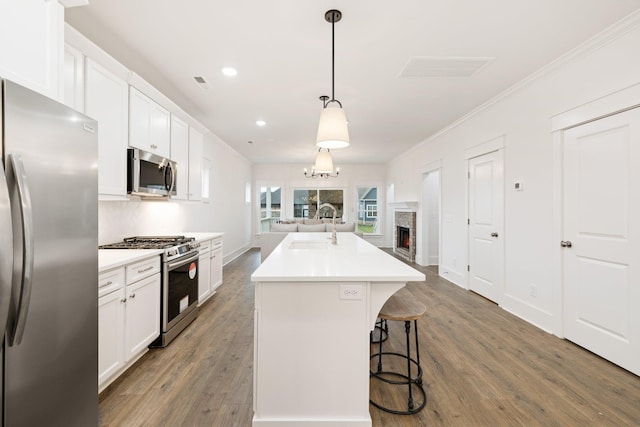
(332, 129)
(323, 167)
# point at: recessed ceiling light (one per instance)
(229, 71)
(260, 123)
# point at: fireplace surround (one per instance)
(404, 235)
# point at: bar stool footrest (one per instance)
(417, 379)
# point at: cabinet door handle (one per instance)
(108, 283)
(123, 300)
(146, 269)
(494, 234)
(132, 296)
(566, 243)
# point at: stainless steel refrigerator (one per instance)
(48, 262)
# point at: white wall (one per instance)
(227, 210)
(290, 176)
(522, 115)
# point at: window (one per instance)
(306, 202)
(367, 204)
(372, 211)
(270, 198)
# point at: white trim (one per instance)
(411, 205)
(74, 3)
(615, 31)
(430, 167)
(483, 148)
(557, 322)
(616, 102)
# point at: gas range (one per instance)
(174, 246)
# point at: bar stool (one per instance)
(380, 332)
(402, 307)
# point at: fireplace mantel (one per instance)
(412, 205)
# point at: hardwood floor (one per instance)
(482, 367)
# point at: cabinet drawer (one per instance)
(205, 246)
(142, 269)
(110, 281)
(216, 243)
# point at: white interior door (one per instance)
(486, 200)
(602, 223)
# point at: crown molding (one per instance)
(606, 36)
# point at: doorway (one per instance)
(601, 238)
(485, 221)
(430, 218)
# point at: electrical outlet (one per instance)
(351, 292)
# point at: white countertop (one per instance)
(352, 259)
(113, 258)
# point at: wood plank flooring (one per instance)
(482, 367)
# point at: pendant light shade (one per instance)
(324, 162)
(323, 168)
(332, 128)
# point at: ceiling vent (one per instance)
(444, 66)
(202, 82)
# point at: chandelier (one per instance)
(323, 167)
(332, 128)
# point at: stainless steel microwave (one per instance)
(150, 175)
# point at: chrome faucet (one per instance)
(334, 238)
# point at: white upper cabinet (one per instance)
(180, 155)
(196, 141)
(106, 100)
(31, 45)
(73, 77)
(186, 151)
(149, 127)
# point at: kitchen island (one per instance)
(315, 304)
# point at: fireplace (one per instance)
(405, 235)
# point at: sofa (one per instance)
(269, 240)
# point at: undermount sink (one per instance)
(309, 244)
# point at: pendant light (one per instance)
(323, 167)
(332, 128)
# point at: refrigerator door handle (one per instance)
(6, 251)
(22, 309)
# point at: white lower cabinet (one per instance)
(110, 335)
(210, 276)
(142, 315)
(204, 273)
(216, 264)
(128, 316)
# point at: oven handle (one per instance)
(180, 262)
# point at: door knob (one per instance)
(494, 234)
(566, 243)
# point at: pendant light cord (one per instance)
(333, 60)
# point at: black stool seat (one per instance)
(402, 306)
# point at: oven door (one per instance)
(180, 289)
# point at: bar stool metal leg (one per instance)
(407, 330)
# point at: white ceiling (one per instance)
(282, 51)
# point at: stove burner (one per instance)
(148, 242)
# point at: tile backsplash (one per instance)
(117, 220)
